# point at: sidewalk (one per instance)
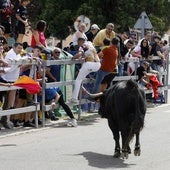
(61, 122)
(49, 124)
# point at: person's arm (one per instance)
(48, 73)
(78, 55)
(20, 19)
(53, 104)
(160, 54)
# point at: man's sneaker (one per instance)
(8, 125)
(72, 100)
(72, 122)
(17, 123)
(28, 124)
(52, 116)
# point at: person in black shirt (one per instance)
(92, 33)
(22, 19)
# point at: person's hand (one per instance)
(4, 63)
(53, 105)
(9, 84)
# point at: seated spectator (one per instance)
(53, 71)
(144, 73)
(38, 37)
(53, 95)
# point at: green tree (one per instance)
(61, 14)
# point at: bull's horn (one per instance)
(96, 95)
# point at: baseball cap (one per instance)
(95, 26)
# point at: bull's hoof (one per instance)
(125, 155)
(117, 153)
(129, 150)
(137, 151)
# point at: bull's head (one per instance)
(99, 97)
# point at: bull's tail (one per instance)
(140, 103)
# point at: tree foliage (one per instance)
(61, 14)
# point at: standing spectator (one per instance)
(22, 19)
(142, 51)
(104, 33)
(10, 75)
(92, 33)
(147, 37)
(80, 33)
(122, 49)
(108, 63)
(91, 64)
(38, 37)
(157, 51)
(23, 98)
(77, 51)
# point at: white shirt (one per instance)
(12, 72)
(75, 37)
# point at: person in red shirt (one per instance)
(108, 63)
(38, 37)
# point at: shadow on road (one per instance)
(104, 161)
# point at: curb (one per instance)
(49, 124)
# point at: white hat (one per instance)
(95, 26)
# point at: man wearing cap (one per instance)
(92, 33)
(104, 33)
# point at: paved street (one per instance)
(87, 147)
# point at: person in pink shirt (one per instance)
(38, 37)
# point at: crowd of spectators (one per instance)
(105, 55)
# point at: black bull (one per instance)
(124, 105)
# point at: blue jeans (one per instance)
(120, 69)
(99, 77)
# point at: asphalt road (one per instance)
(87, 147)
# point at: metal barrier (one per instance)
(34, 108)
(65, 62)
(53, 84)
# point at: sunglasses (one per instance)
(57, 52)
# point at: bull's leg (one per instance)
(117, 145)
(137, 149)
(115, 131)
(125, 145)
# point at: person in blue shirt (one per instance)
(54, 95)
